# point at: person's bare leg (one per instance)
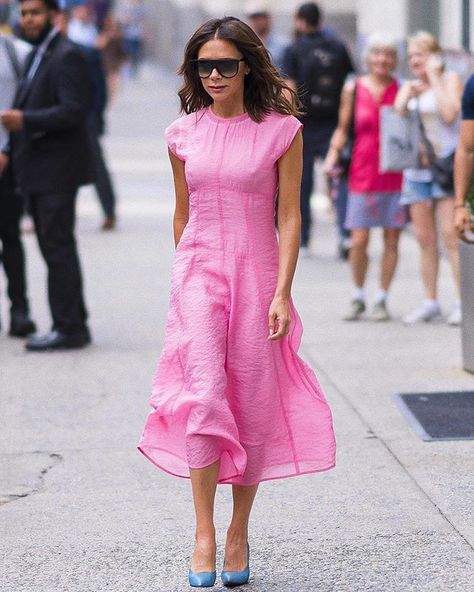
(390, 257)
(424, 225)
(238, 531)
(204, 485)
(358, 257)
(445, 210)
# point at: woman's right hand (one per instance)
(415, 88)
(410, 90)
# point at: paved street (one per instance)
(82, 511)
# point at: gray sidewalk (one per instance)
(82, 511)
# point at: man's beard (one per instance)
(44, 33)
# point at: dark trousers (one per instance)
(101, 175)
(340, 204)
(54, 218)
(315, 145)
(13, 256)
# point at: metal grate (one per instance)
(439, 416)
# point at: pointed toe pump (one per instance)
(231, 579)
(202, 579)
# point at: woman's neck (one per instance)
(380, 80)
(228, 109)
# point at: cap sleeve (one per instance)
(289, 127)
(176, 139)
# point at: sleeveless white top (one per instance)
(443, 137)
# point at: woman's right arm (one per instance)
(181, 212)
(407, 91)
(340, 136)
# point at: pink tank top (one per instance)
(364, 173)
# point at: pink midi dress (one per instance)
(222, 390)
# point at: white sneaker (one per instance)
(455, 318)
(424, 314)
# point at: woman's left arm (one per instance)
(290, 167)
(448, 91)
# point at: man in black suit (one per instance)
(49, 155)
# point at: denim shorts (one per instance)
(417, 191)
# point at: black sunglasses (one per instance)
(227, 68)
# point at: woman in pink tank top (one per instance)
(374, 197)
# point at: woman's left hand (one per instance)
(434, 66)
(279, 319)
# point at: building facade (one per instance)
(173, 21)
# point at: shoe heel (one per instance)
(203, 579)
(230, 579)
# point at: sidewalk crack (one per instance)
(34, 484)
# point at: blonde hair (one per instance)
(425, 41)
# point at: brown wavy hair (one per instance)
(264, 89)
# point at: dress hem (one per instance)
(230, 480)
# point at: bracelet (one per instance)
(459, 206)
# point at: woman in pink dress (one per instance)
(232, 402)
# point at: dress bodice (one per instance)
(231, 168)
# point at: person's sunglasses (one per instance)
(227, 68)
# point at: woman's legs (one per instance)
(389, 262)
(359, 261)
(445, 210)
(358, 258)
(424, 224)
(204, 485)
(237, 533)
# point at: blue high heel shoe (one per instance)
(237, 578)
(202, 579)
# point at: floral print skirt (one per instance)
(372, 209)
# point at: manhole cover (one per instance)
(439, 416)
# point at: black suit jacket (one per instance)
(99, 95)
(50, 153)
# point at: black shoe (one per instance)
(344, 249)
(56, 340)
(21, 325)
(109, 223)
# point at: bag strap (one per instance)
(351, 132)
(12, 55)
(424, 136)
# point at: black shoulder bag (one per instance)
(442, 168)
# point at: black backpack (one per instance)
(323, 69)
